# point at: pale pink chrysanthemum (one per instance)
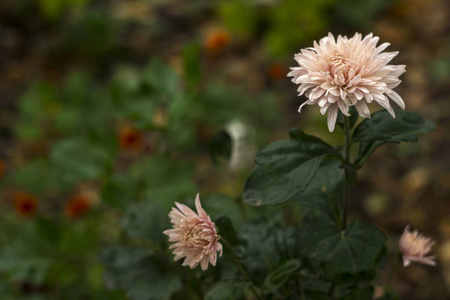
(194, 235)
(414, 247)
(337, 74)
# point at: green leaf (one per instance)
(238, 16)
(226, 230)
(119, 191)
(123, 265)
(345, 257)
(33, 177)
(267, 242)
(226, 290)
(154, 286)
(76, 159)
(140, 273)
(280, 274)
(285, 168)
(381, 128)
(191, 62)
(25, 257)
(145, 220)
(164, 179)
(162, 78)
(324, 193)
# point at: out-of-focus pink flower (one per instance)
(414, 247)
(338, 74)
(194, 235)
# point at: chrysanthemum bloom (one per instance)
(414, 247)
(25, 204)
(195, 236)
(337, 74)
(77, 206)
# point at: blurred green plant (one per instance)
(77, 126)
(53, 9)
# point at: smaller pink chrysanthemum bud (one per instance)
(414, 247)
(194, 235)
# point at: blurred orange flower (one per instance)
(216, 41)
(130, 138)
(77, 206)
(25, 204)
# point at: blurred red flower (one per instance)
(2, 167)
(276, 71)
(77, 206)
(25, 204)
(130, 138)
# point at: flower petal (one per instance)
(332, 117)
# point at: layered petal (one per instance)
(194, 236)
(414, 246)
(347, 72)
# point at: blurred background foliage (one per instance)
(113, 110)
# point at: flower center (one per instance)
(340, 66)
(339, 60)
(193, 234)
(418, 245)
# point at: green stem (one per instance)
(241, 269)
(347, 146)
(331, 290)
(241, 205)
(394, 263)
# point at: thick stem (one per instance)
(347, 146)
(241, 269)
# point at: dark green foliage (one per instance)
(324, 192)
(33, 177)
(285, 168)
(356, 14)
(119, 190)
(381, 128)
(280, 274)
(140, 272)
(74, 160)
(145, 220)
(346, 257)
(267, 243)
(93, 34)
(227, 230)
(191, 60)
(226, 290)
